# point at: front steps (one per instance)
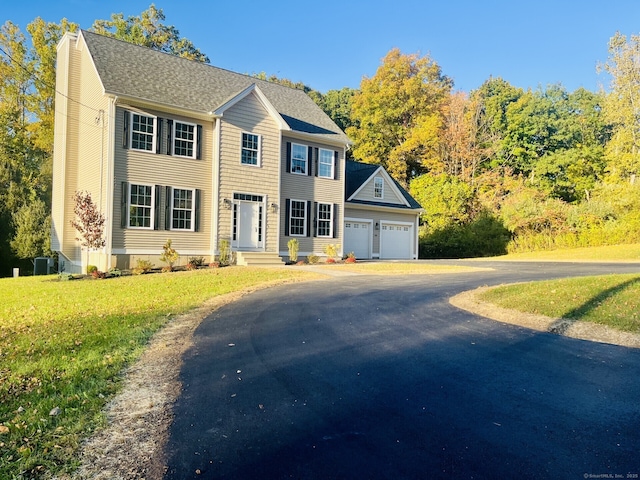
(258, 259)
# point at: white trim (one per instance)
(381, 171)
(304, 223)
(332, 165)
(154, 135)
(153, 206)
(194, 147)
(259, 152)
(193, 209)
(141, 251)
(306, 156)
(375, 187)
(111, 130)
(215, 180)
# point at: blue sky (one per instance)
(332, 44)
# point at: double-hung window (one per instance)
(184, 139)
(325, 163)
(141, 206)
(378, 187)
(143, 132)
(299, 160)
(250, 149)
(325, 220)
(182, 209)
(298, 218)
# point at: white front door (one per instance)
(249, 225)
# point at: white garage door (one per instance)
(357, 238)
(396, 241)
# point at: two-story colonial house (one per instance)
(175, 149)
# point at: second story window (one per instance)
(184, 139)
(378, 187)
(143, 132)
(250, 149)
(325, 164)
(298, 159)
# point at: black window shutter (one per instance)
(169, 136)
(288, 157)
(309, 161)
(196, 225)
(199, 142)
(125, 131)
(316, 158)
(315, 219)
(159, 135)
(309, 220)
(335, 165)
(156, 213)
(287, 212)
(334, 219)
(168, 203)
(124, 200)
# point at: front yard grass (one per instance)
(392, 268)
(612, 300)
(63, 346)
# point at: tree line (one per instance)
(497, 169)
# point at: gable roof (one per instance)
(357, 174)
(137, 72)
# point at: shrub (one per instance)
(312, 259)
(331, 250)
(293, 246)
(169, 256)
(98, 274)
(142, 266)
(195, 263)
(224, 252)
(115, 272)
(91, 269)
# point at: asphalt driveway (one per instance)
(379, 377)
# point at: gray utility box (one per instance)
(43, 266)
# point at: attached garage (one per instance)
(396, 241)
(357, 238)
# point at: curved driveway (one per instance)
(377, 377)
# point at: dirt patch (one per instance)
(470, 302)
(132, 445)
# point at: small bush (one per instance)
(195, 263)
(331, 250)
(214, 265)
(114, 272)
(91, 269)
(142, 266)
(224, 252)
(169, 255)
(293, 246)
(312, 259)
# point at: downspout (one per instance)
(417, 235)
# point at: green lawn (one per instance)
(609, 253)
(393, 268)
(63, 345)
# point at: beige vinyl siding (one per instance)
(84, 127)
(160, 169)
(389, 192)
(249, 116)
(379, 216)
(313, 189)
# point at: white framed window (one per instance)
(143, 132)
(325, 163)
(141, 206)
(182, 209)
(299, 160)
(298, 218)
(325, 220)
(250, 149)
(184, 139)
(378, 187)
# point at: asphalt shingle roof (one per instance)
(357, 173)
(139, 72)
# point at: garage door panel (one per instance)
(396, 241)
(357, 238)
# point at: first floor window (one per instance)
(299, 159)
(298, 218)
(143, 132)
(325, 163)
(378, 187)
(184, 139)
(325, 219)
(182, 209)
(250, 149)
(141, 206)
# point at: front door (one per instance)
(249, 225)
